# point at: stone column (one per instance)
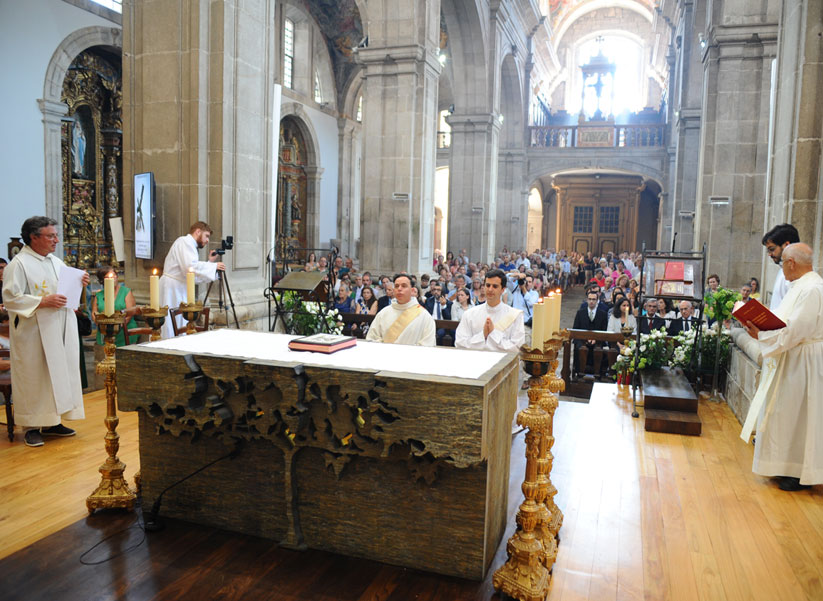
(312, 216)
(198, 91)
(473, 164)
(736, 90)
(512, 203)
(348, 188)
(53, 113)
(400, 107)
(688, 98)
(795, 170)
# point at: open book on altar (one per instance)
(322, 343)
(755, 312)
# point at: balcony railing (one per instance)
(618, 136)
(444, 139)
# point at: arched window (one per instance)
(318, 96)
(359, 115)
(288, 53)
(626, 54)
(115, 5)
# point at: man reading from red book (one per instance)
(788, 405)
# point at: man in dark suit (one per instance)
(385, 300)
(650, 321)
(439, 307)
(590, 317)
(687, 322)
(601, 305)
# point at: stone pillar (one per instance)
(796, 172)
(53, 113)
(312, 217)
(198, 91)
(687, 98)
(512, 202)
(348, 188)
(736, 90)
(473, 184)
(400, 106)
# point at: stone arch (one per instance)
(313, 167)
(652, 167)
(54, 110)
(466, 46)
(511, 103)
(584, 8)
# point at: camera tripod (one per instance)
(223, 292)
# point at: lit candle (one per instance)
(553, 315)
(108, 294)
(154, 291)
(538, 323)
(190, 286)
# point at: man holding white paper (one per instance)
(183, 256)
(788, 406)
(45, 348)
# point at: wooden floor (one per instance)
(647, 516)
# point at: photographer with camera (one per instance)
(522, 295)
(182, 256)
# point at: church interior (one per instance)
(394, 131)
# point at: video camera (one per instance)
(226, 244)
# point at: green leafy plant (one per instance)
(655, 351)
(719, 305)
(685, 343)
(304, 317)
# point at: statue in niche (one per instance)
(78, 150)
(295, 206)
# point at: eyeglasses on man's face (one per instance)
(49, 236)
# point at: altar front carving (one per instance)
(404, 468)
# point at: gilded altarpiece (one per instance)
(91, 137)
(292, 186)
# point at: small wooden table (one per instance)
(670, 404)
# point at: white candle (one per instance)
(108, 294)
(559, 304)
(553, 309)
(154, 291)
(538, 323)
(190, 286)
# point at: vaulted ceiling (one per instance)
(340, 22)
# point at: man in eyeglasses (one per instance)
(45, 347)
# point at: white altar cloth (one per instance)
(427, 361)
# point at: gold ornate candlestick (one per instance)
(532, 549)
(155, 319)
(552, 385)
(113, 491)
(191, 312)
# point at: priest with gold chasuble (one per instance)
(494, 325)
(404, 321)
(788, 406)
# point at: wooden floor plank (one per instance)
(647, 516)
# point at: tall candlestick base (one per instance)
(113, 492)
(155, 318)
(191, 313)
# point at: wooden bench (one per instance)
(351, 319)
(580, 385)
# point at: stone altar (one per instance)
(378, 451)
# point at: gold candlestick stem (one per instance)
(155, 319)
(113, 491)
(191, 312)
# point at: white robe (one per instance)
(470, 330)
(790, 422)
(420, 332)
(183, 254)
(45, 349)
(781, 287)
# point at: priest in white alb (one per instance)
(404, 321)
(494, 325)
(787, 409)
(182, 257)
(45, 347)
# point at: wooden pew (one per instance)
(581, 387)
(350, 319)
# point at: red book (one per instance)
(674, 271)
(755, 312)
(322, 343)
